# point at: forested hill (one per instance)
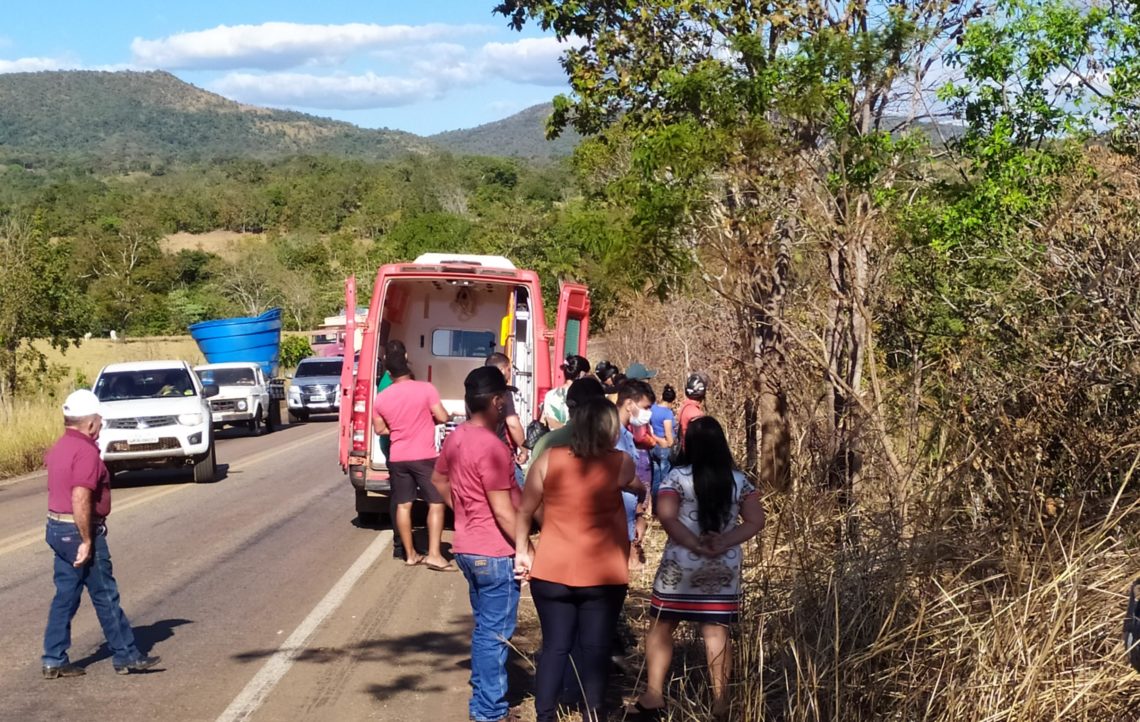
(522, 135)
(132, 118)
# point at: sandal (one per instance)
(449, 567)
(646, 714)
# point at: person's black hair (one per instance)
(707, 452)
(396, 359)
(605, 371)
(594, 428)
(668, 394)
(575, 367)
(633, 389)
(479, 403)
(498, 360)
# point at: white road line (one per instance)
(275, 668)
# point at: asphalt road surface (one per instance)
(263, 598)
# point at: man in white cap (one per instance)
(79, 500)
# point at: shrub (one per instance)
(293, 350)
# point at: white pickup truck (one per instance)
(156, 414)
(243, 395)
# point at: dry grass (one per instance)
(227, 244)
(29, 425)
(26, 431)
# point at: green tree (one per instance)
(41, 299)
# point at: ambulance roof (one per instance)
(439, 259)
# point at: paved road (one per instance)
(262, 597)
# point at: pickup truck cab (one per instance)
(156, 414)
(451, 311)
(243, 395)
(316, 387)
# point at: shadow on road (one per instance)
(423, 659)
(146, 637)
(161, 477)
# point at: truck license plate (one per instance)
(140, 440)
(317, 397)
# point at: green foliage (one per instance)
(41, 300)
(143, 121)
(293, 350)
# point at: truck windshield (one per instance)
(160, 383)
(228, 377)
(318, 368)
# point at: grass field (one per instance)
(30, 425)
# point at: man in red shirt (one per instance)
(408, 411)
(475, 477)
(79, 501)
(694, 405)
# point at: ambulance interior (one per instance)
(449, 327)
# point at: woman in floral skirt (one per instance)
(708, 509)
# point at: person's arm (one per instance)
(627, 478)
(668, 434)
(82, 503)
(442, 484)
(439, 413)
(531, 500)
(752, 523)
(379, 426)
(668, 513)
(515, 430)
(504, 510)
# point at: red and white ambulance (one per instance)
(451, 311)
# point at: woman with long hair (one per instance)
(555, 413)
(708, 509)
(579, 571)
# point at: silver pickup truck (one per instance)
(244, 395)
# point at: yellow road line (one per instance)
(19, 541)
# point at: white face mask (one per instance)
(642, 417)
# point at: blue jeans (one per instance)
(659, 457)
(520, 476)
(495, 603)
(64, 540)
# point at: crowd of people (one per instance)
(567, 517)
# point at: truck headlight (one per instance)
(190, 419)
(242, 405)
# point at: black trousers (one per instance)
(582, 619)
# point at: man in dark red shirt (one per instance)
(79, 501)
(475, 477)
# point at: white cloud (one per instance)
(32, 65)
(530, 61)
(277, 45)
(333, 92)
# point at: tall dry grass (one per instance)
(969, 595)
(30, 423)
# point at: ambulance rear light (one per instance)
(358, 437)
(360, 406)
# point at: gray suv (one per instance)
(315, 387)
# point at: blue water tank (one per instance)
(255, 339)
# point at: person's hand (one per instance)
(82, 555)
(639, 528)
(523, 561)
(522, 455)
(709, 545)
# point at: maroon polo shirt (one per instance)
(74, 461)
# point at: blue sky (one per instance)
(422, 66)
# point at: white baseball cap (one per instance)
(80, 403)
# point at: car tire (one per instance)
(206, 468)
(299, 415)
(254, 424)
(270, 427)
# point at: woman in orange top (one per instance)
(580, 571)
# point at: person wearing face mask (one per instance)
(474, 475)
(634, 400)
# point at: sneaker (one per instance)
(138, 665)
(67, 670)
